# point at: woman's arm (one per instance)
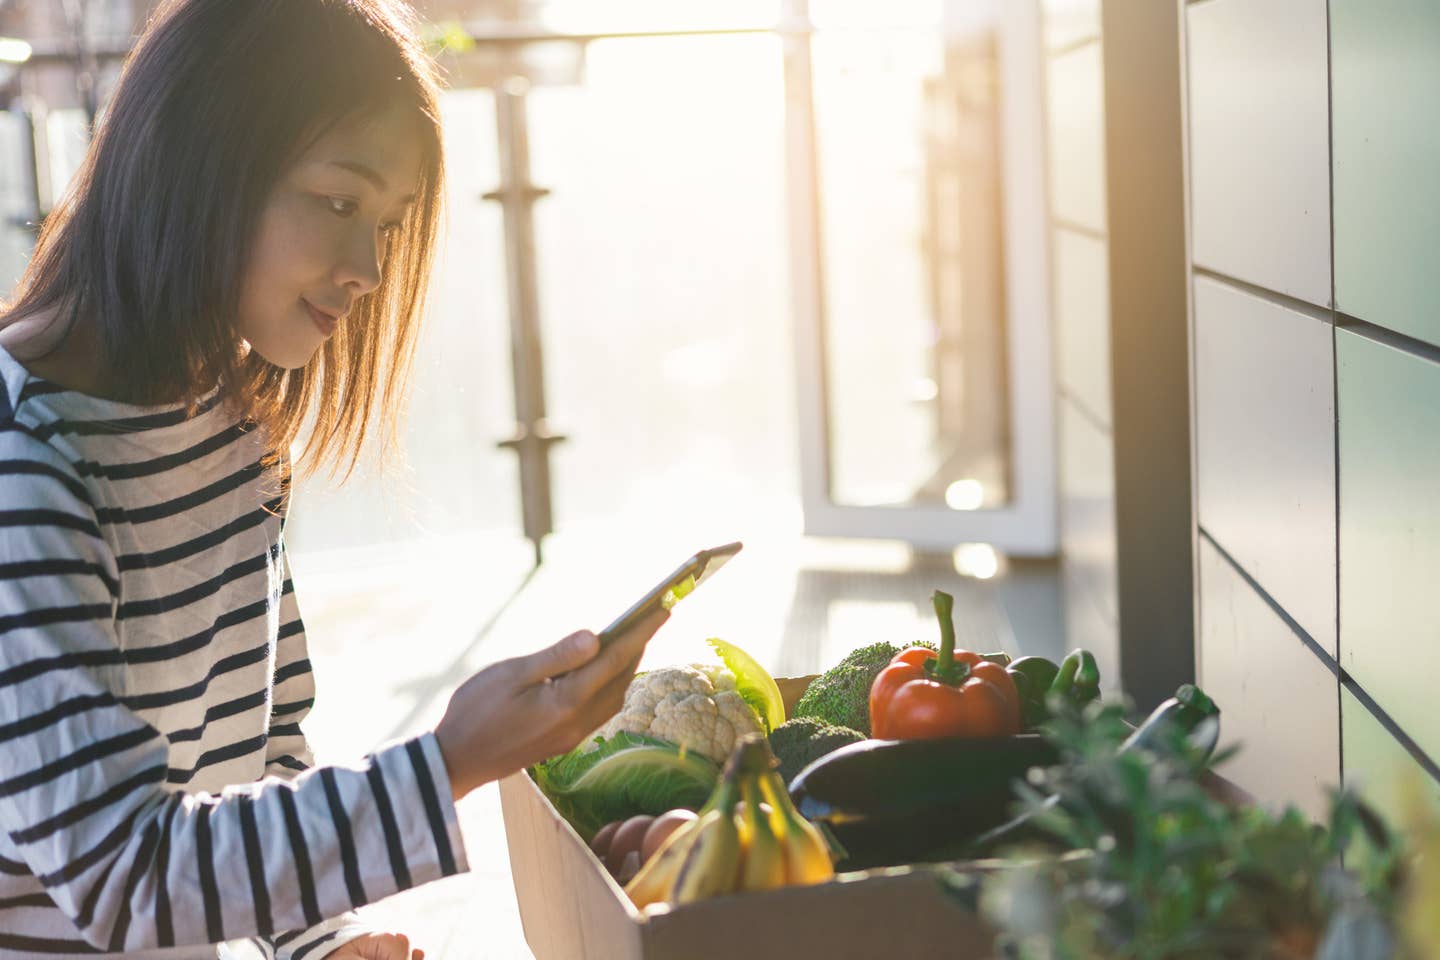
(288, 754)
(133, 866)
(82, 777)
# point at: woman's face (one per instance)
(322, 234)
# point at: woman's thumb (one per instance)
(569, 654)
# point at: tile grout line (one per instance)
(1334, 378)
(1301, 634)
(1417, 752)
(1404, 343)
(1284, 300)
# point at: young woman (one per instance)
(245, 250)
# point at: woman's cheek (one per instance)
(296, 233)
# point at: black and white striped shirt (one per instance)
(155, 795)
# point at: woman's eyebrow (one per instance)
(375, 179)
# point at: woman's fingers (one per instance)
(377, 946)
(544, 703)
(619, 658)
(569, 654)
(608, 700)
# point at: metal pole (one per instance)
(806, 262)
(517, 195)
(87, 65)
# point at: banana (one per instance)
(725, 850)
(807, 855)
(712, 864)
(764, 862)
(657, 877)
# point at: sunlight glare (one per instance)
(977, 560)
(620, 16)
(967, 494)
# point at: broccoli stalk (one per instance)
(799, 742)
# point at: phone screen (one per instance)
(670, 591)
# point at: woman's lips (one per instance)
(325, 323)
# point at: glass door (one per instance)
(919, 271)
(685, 195)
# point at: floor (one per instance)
(393, 630)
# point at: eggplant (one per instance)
(1189, 715)
(912, 801)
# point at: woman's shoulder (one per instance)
(21, 438)
(33, 473)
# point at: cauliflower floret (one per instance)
(694, 706)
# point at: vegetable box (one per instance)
(571, 908)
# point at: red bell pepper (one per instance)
(956, 693)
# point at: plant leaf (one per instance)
(628, 774)
(753, 682)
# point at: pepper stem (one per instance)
(1196, 699)
(944, 669)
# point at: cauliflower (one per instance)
(695, 706)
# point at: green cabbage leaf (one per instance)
(626, 775)
(753, 682)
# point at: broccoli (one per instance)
(799, 742)
(841, 695)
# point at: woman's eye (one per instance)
(342, 207)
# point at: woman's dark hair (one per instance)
(217, 100)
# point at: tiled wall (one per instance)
(1315, 249)
(1080, 291)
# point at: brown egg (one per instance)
(626, 840)
(600, 843)
(629, 868)
(664, 825)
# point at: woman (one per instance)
(245, 247)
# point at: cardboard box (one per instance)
(571, 907)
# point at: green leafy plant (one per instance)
(626, 775)
(753, 682)
(1139, 860)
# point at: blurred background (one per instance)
(1113, 318)
(710, 271)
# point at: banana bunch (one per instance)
(763, 845)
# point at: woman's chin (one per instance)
(288, 356)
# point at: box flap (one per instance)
(570, 907)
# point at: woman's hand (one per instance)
(377, 946)
(521, 711)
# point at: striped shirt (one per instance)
(156, 790)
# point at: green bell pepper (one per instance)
(1033, 677)
(1078, 678)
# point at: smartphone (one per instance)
(673, 588)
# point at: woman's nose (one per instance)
(359, 268)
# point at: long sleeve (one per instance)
(287, 751)
(82, 783)
(287, 754)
